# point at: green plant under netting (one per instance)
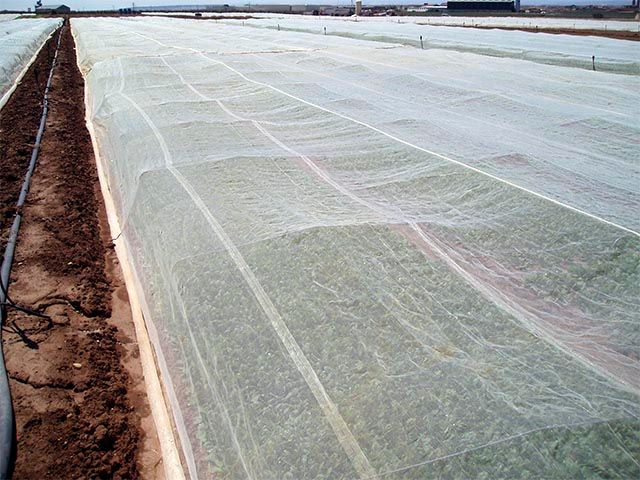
(365, 260)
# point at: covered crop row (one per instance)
(570, 51)
(522, 21)
(20, 39)
(365, 260)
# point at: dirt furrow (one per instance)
(76, 381)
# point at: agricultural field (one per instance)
(360, 256)
(540, 22)
(569, 51)
(458, 21)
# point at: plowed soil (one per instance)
(76, 381)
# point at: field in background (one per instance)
(485, 21)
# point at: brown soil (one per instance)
(77, 385)
(616, 34)
(18, 133)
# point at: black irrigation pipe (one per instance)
(7, 419)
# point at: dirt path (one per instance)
(76, 381)
(17, 134)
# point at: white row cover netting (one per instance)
(20, 39)
(371, 261)
(573, 51)
(519, 21)
(528, 22)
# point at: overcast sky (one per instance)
(107, 4)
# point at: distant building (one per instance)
(427, 9)
(338, 11)
(52, 9)
(484, 5)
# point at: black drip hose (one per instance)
(7, 419)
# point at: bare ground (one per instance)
(76, 379)
(615, 34)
